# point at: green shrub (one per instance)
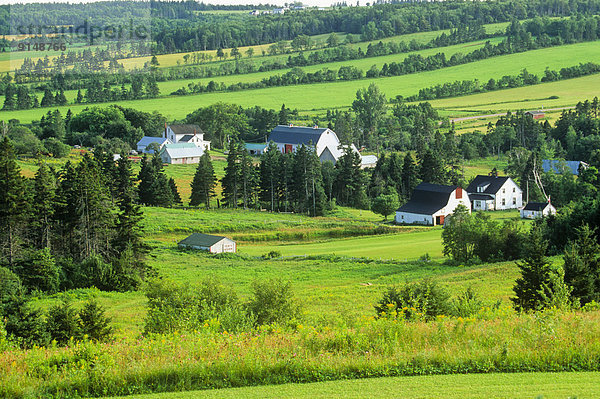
(172, 307)
(10, 286)
(273, 302)
(466, 304)
(272, 255)
(63, 323)
(415, 300)
(93, 322)
(25, 324)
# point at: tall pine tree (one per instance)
(204, 182)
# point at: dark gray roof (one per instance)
(536, 206)
(494, 184)
(535, 112)
(480, 197)
(201, 240)
(186, 138)
(295, 134)
(427, 199)
(186, 129)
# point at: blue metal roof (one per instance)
(556, 166)
(147, 140)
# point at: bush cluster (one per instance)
(173, 307)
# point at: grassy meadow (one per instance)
(457, 386)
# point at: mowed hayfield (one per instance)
(11, 60)
(316, 98)
(458, 386)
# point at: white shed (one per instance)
(181, 153)
(210, 243)
(534, 210)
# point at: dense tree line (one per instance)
(378, 21)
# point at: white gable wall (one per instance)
(414, 218)
(225, 245)
(509, 196)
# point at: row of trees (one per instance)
(464, 87)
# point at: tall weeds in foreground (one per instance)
(208, 358)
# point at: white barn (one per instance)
(326, 142)
(181, 153)
(191, 134)
(534, 210)
(489, 193)
(210, 243)
(430, 204)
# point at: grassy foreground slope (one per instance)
(519, 385)
(319, 97)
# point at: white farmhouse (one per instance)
(534, 210)
(488, 193)
(181, 153)
(430, 204)
(147, 140)
(186, 134)
(210, 243)
(326, 142)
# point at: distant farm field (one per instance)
(319, 97)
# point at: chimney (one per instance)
(291, 125)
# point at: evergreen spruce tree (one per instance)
(248, 178)
(204, 182)
(9, 97)
(79, 98)
(94, 323)
(14, 204)
(432, 169)
(147, 178)
(582, 265)
(128, 238)
(232, 179)
(24, 100)
(162, 194)
(66, 218)
(47, 99)
(44, 193)
(410, 178)
(94, 211)
(535, 288)
(176, 197)
(269, 174)
(349, 179)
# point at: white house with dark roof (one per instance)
(186, 134)
(147, 140)
(488, 193)
(207, 242)
(327, 144)
(534, 210)
(181, 153)
(430, 204)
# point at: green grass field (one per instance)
(516, 385)
(341, 94)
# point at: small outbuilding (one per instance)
(536, 114)
(210, 243)
(534, 210)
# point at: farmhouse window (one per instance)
(503, 201)
(514, 201)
